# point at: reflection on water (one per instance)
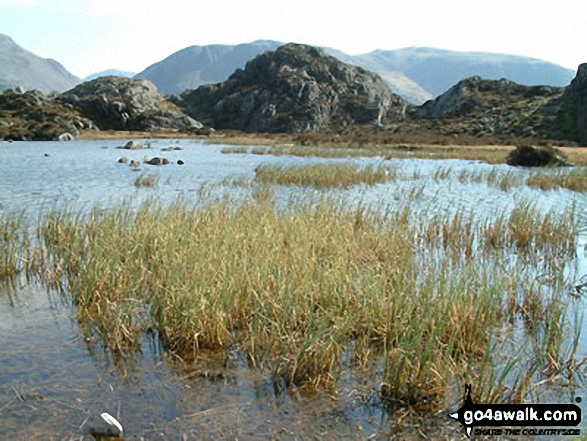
(54, 383)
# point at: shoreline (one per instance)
(488, 151)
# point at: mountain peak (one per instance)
(19, 67)
(296, 88)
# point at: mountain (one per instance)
(417, 74)
(196, 65)
(436, 70)
(110, 73)
(19, 67)
(296, 88)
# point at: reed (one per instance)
(146, 181)
(241, 150)
(575, 180)
(297, 288)
(342, 175)
(13, 243)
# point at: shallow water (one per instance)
(54, 384)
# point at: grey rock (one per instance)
(66, 137)
(118, 103)
(157, 161)
(132, 145)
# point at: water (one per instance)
(54, 384)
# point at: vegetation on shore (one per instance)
(341, 175)
(302, 289)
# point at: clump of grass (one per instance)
(147, 181)
(240, 150)
(296, 288)
(342, 175)
(575, 180)
(13, 243)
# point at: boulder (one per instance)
(157, 161)
(66, 137)
(132, 145)
(296, 88)
(180, 162)
(123, 160)
(135, 164)
(529, 156)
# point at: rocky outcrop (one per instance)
(118, 103)
(499, 108)
(295, 88)
(528, 156)
(578, 103)
(35, 115)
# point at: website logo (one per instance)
(528, 416)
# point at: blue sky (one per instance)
(87, 36)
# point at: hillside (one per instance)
(21, 68)
(193, 66)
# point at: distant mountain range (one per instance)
(19, 67)
(417, 74)
(110, 73)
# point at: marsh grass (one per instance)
(13, 243)
(240, 150)
(504, 180)
(296, 288)
(146, 181)
(349, 149)
(341, 175)
(575, 180)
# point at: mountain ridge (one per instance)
(437, 69)
(21, 68)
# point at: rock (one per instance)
(119, 103)
(171, 149)
(180, 162)
(528, 156)
(157, 161)
(66, 137)
(578, 93)
(132, 145)
(123, 160)
(135, 164)
(296, 88)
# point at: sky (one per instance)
(89, 36)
